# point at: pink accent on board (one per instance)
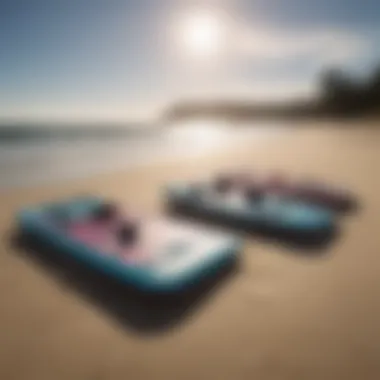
(153, 238)
(103, 237)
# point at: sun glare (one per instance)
(200, 34)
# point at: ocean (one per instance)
(30, 162)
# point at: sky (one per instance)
(117, 60)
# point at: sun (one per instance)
(200, 34)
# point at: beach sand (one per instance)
(286, 314)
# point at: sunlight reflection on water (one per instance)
(200, 134)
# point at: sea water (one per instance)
(28, 162)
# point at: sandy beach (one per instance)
(284, 315)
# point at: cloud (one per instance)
(322, 46)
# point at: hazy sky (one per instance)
(122, 59)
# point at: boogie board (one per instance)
(153, 254)
(254, 210)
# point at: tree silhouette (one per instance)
(341, 94)
(373, 91)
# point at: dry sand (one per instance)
(285, 315)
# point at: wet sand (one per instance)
(286, 314)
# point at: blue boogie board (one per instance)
(265, 212)
(154, 255)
